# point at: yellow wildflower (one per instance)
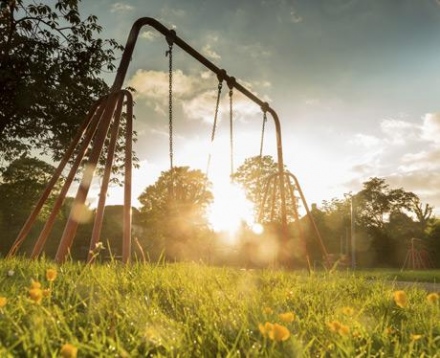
(275, 332)
(36, 294)
(338, 327)
(348, 311)
(268, 310)
(279, 333)
(389, 330)
(415, 337)
(344, 330)
(265, 329)
(51, 274)
(400, 298)
(287, 317)
(68, 351)
(433, 298)
(3, 301)
(150, 334)
(35, 284)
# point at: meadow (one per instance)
(195, 310)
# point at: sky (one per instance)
(355, 84)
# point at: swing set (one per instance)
(104, 120)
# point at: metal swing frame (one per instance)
(107, 110)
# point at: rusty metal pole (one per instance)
(127, 216)
(99, 217)
(88, 135)
(34, 214)
(79, 202)
(310, 216)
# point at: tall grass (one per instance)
(193, 310)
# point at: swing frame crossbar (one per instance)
(104, 118)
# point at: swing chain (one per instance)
(169, 53)
(231, 83)
(220, 77)
(264, 108)
(219, 92)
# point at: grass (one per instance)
(431, 276)
(193, 310)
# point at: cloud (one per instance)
(398, 132)
(417, 171)
(425, 184)
(295, 18)
(423, 160)
(210, 53)
(364, 140)
(153, 86)
(201, 106)
(120, 7)
(431, 127)
(256, 50)
(195, 94)
(149, 35)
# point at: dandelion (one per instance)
(36, 294)
(51, 274)
(415, 337)
(275, 332)
(279, 333)
(348, 311)
(152, 335)
(433, 298)
(287, 317)
(68, 351)
(268, 310)
(265, 329)
(338, 327)
(3, 301)
(389, 330)
(35, 284)
(400, 298)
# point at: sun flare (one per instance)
(230, 210)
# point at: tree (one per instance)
(337, 224)
(50, 60)
(253, 176)
(433, 242)
(21, 185)
(385, 215)
(174, 211)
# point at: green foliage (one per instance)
(50, 59)
(21, 185)
(174, 212)
(385, 221)
(252, 174)
(259, 178)
(189, 310)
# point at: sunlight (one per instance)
(230, 210)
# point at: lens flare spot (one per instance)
(230, 210)
(81, 213)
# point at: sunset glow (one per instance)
(230, 210)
